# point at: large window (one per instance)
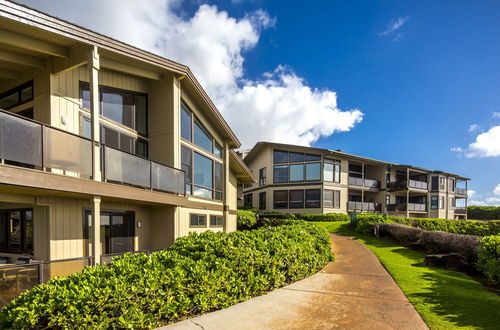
(187, 167)
(192, 130)
(295, 167)
(280, 173)
(203, 176)
(434, 183)
(441, 202)
(296, 199)
(124, 107)
(16, 96)
(262, 176)
(331, 171)
(313, 198)
(16, 231)
(280, 198)
(452, 184)
(331, 199)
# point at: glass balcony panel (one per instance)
(67, 152)
(20, 140)
(167, 179)
(126, 168)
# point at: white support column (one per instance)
(96, 229)
(93, 65)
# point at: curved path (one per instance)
(354, 292)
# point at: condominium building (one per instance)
(104, 148)
(297, 179)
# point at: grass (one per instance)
(445, 299)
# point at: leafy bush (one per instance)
(489, 257)
(277, 215)
(245, 220)
(483, 212)
(466, 227)
(198, 273)
(330, 217)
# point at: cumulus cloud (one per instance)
(491, 198)
(487, 144)
(496, 191)
(496, 115)
(394, 25)
(471, 193)
(278, 106)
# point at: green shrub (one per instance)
(245, 220)
(466, 227)
(277, 215)
(198, 273)
(249, 208)
(330, 217)
(489, 257)
(483, 212)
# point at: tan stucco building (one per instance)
(296, 179)
(101, 139)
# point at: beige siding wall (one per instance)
(184, 221)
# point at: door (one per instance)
(117, 231)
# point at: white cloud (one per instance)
(470, 193)
(394, 24)
(487, 144)
(278, 107)
(473, 128)
(496, 191)
(476, 203)
(496, 115)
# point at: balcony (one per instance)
(30, 144)
(363, 207)
(414, 184)
(460, 210)
(415, 207)
(461, 191)
(366, 183)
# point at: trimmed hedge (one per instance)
(489, 257)
(245, 220)
(483, 212)
(466, 227)
(328, 217)
(198, 273)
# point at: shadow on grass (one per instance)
(439, 295)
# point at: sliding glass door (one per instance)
(117, 231)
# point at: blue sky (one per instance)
(419, 92)
(411, 82)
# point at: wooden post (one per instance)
(94, 66)
(96, 229)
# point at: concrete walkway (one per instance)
(354, 292)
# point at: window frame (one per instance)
(301, 206)
(285, 200)
(335, 202)
(215, 225)
(24, 249)
(198, 215)
(262, 201)
(434, 202)
(308, 206)
(248, 200)
(262, 176)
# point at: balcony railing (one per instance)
(27, 143)
(410, 206)
(367, 183)
(409, 184)
(461, 191)
(363, 206)
(460, 210)
(15, 279)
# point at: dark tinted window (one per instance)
(313, 198)
(310, 157)
(280, 173)
(296, 157)
(280, 156)
(280, 199)
(296, 199)
(186, 123)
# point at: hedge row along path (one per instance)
(354, 292)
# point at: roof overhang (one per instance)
(240, 170)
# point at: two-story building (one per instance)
(104, 148)
(297, 179)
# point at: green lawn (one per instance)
(445, 299)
